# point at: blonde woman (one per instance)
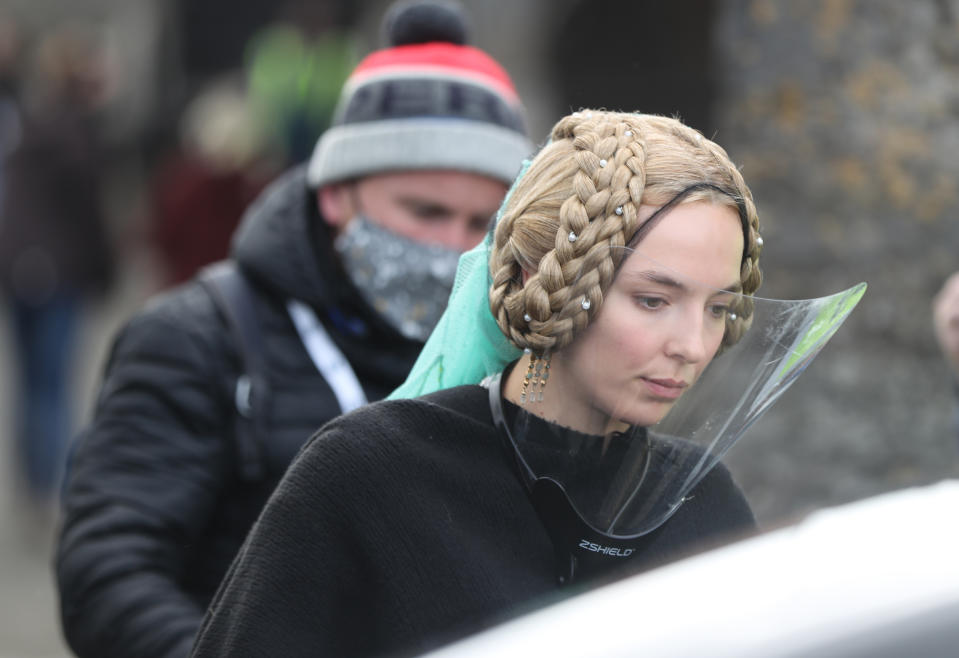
(623, 261)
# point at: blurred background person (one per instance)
(9, 113)
(55, 250)
(241, 127)
(337, 275)
(945, 322)
(199, 190)
(295, 67)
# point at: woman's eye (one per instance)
(650, 303)
(718, 310)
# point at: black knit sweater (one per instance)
(403, 526)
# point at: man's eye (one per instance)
(479, 225)
(430, 213)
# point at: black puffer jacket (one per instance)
(154, 507)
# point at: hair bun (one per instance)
(424, 21)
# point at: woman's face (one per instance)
(660, 325)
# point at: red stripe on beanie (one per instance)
(451, 59)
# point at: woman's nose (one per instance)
(687, 341)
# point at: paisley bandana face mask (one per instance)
(405, 281)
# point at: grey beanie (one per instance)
(426, 102)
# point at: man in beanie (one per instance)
(338, 273)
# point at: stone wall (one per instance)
(844, 116)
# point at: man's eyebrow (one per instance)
(659, 278)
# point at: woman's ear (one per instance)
(526, 276)
(336, 204)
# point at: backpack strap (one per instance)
(234, 296)
(327, 357)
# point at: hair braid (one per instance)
(600, 212)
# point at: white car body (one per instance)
(876, 578)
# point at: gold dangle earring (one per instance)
(537, 375)
(542, 374)
(528, 377)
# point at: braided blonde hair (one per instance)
(568, 217)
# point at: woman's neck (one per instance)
(558, 405)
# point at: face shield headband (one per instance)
(601, 493)
(654, 219)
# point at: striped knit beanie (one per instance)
(429, 101)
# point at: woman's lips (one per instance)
(667, 389)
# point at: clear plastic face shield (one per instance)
(667, 376)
